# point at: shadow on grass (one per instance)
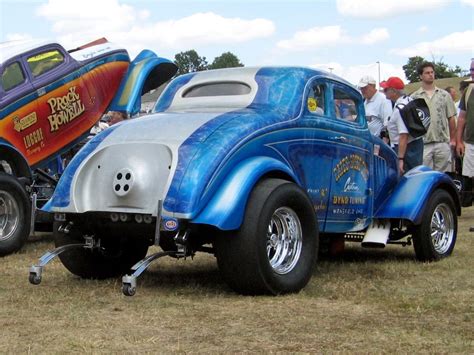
(41, 237)
(201, 281)
(201, 274)
(357, 254)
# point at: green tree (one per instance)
(442, 70)
(410, 68)
(226, 60)
(189, 61)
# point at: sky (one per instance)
(350, 38)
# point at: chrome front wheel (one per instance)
(442, 228)
(435, 237)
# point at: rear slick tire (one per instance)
(275, 249)
(15, 209)
(114, 258)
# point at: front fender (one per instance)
(146, 72)
(226, 208)
(410, 196)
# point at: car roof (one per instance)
(283, 81)
(10, 49)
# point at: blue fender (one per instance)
(146, 72)
(226, 208)
(410, 196)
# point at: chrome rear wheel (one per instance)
(9, 215)
(284, 240)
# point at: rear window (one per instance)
(12, 76)
(44, 62)
(218, 89)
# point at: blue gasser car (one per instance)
(260, 166)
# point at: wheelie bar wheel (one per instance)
(129, 285)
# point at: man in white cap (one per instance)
(377, 107)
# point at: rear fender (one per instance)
(145, 73)
(226, 208)
(15, 160)
(410, 196)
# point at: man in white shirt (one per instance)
(377, 107)
(408, 148)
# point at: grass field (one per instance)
(367, 301)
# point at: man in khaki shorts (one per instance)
(465, 132)
(441, 135)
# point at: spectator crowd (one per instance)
(447, 145)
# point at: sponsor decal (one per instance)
(348, 200)
(20, 124)
(349, 163)
(347, 211)
(170, 224)
(33, 138)
(320, 198)
(350, 186)
(64, 109)
(312, 104)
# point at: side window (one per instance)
(12, 76)
(218, 89)
(45, 61)
(316, 102)
(344, 106)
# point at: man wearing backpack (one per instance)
(441, 135)
(408, 148)
(465, 130)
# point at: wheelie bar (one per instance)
(129, 282)
(37, 270)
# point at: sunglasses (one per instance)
(471, 69)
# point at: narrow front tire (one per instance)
(435, 237)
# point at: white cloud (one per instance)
(318, 37)
(453, 43)
(423, 29)
(18, 36)
(382, 9)
(80, 21)
(205, 28)
(376, 35)
(332, 67)
(468, 2)
(353, 73)
(314, 38)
